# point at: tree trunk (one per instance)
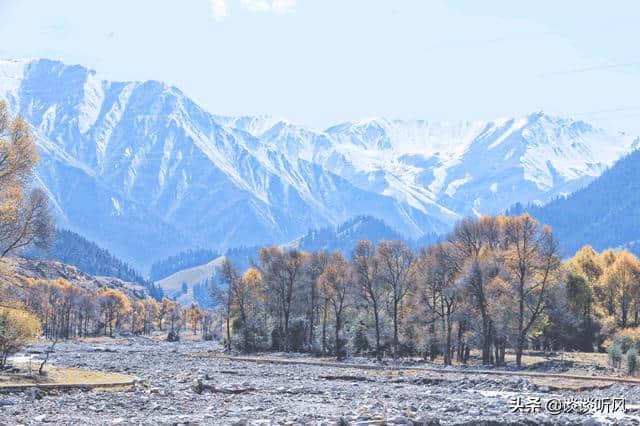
(395, 329)
(486, 339)
(228, 334)
(624, 308)
(377, 320)
(324, 330)
(245, 332)
(521, 330)
(338, 354)
(312, 313)
(459, 343)
(286, 331)
(447, 351)
(519, 349)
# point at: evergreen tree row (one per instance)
(186, 259)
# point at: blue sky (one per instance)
(320, 62)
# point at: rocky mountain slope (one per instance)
(50, 270)
(145, 172)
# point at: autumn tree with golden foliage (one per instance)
(472, 243)
(531, 266)
(336, 284)
(114, 306)
(437, 290)
(246, 297)
(368, 274)
(17, 327)
(398, 274)
(622, 283)
(195, 317)
(229, 278)
(151, 313)
(24, 214)
(283, 274)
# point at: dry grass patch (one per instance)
(102, 339)
(61, 376)
(575, 385)
(585, 359)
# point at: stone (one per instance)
(282, 393)
(401, 420)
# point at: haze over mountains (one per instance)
(143, 171)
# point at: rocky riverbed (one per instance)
(186, 383)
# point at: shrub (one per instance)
(297, 332)
(17, 327)
(627, 339)
(632, 361)
(360, 341)
(615, 355)
(277, 341)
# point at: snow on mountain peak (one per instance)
(221, 181)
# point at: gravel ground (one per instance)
(178, 387)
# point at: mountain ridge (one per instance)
(145, 172)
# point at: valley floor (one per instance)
(189, 383)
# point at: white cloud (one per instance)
(218, 9)
(277, 6)
(283, 6)
(256, 5)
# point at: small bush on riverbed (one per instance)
(615, 355)
(632, 361)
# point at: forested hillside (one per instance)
(73, 249)
(183, 260)
(344, 237)
(606, 213)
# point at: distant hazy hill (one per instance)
(604, 214)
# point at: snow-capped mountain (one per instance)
(467, 168)
(141, 169)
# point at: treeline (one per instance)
(186, 259)
(603, 294)
(493, 284)
(68, 311)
